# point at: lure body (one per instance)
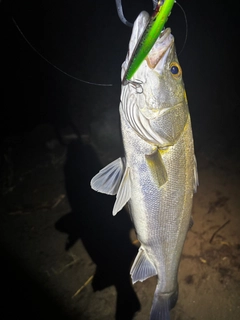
(149, 37)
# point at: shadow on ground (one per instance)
(106, 238)
(23, 296)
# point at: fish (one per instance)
(157, 178)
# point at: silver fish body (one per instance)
(158, 176)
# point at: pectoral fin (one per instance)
(157, 167)
(109, 178)
(124, 192)
(142, 268)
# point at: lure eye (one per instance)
(175, 70)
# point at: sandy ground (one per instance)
(65, 255)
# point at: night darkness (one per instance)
(55, 232)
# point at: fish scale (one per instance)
(155, 216)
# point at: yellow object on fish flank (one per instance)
(157, 168)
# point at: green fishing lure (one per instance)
(149, 37)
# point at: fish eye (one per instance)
(175, 70)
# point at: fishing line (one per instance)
(54, 66)
(121, 14)
(186, 23)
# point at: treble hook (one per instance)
(136, 84)
(121, 15)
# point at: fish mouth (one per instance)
(161, 46)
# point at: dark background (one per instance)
(88, 41)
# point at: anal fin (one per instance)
(142, 268)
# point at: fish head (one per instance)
(162, 75)
(156, 89)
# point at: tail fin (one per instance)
(162, 304)
(160, 308)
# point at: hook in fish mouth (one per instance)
(156, 54)
(150, 35)
(136, 84)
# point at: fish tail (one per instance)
(162, 304)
